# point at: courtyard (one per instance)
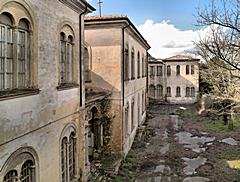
(177, 144)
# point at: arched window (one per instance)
(187, 92)
(138, 63)
(178, 70)
(168, 70)
(192, 92)
(11, 176)
(87, 65)
(126, 63)
(159, 71)
(28, 172)
(159, 90)
(192, 69)
(152, 90)
(143, 66)
(133, 63)
(126, 119)
(68, 156)
(187, 69)
(132, 115)
(66, 56)
(178, 92)
(169, 92)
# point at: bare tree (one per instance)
(220, 48)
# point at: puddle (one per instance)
(196, 179)
(193, 164)
(194, 143)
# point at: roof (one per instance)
(117, 19)
(88, 5)
(180, 58)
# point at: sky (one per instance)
(169, 26)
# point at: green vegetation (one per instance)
(231, 157)
(219, 126)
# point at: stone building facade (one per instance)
(117, 55)
(174, 80)
(42, 94)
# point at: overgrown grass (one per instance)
(219, 126)
(231, 157)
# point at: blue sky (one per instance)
(180, 12)
(169, 26)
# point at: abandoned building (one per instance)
(42, 90)
(117, 63)
(174, 80)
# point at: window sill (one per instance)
(17, 93)
(67, 86)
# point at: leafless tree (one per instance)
(220, 48)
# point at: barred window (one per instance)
(168, 70)
(72, 154)
(28, 172)
(178, 70)
(178, 92)
(64, 161)
(133, 63)
(126, 63)
(132, 115)
(159, 90)
(11, 176)
(159, 71)
(169, 92)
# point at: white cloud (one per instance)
(166, 40)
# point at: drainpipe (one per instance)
(123, 73)
(80, 54)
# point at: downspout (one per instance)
(80, 56)
(123, 80)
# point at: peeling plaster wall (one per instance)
(51, 109)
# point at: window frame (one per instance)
(168, 92)
(178, 70)
(178, 91)
(169, 70)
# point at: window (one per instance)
(192, 69)
(152, 71)
(187, 92)
(138, 63)
(187, 69)
(27, 173)
(87, 71)
(132, 115)
(178, 92)
(143, 102)
(126, 63)
(133, 63)
(68, 158)
(159, 90)
(14, 70)
(143, 66)
(192, 92)
(66, 59)
(152, 90)
(11, 176)
(168, 70)
(168, 91)
(178, 70)
(159, 71)
(22, 167)
(126, 119)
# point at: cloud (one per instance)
(166, 40)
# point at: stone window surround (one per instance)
(24, 13)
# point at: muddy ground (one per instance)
(177, 146)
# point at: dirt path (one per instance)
(176, 148)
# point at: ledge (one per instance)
(67, 86)
(17, 93)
